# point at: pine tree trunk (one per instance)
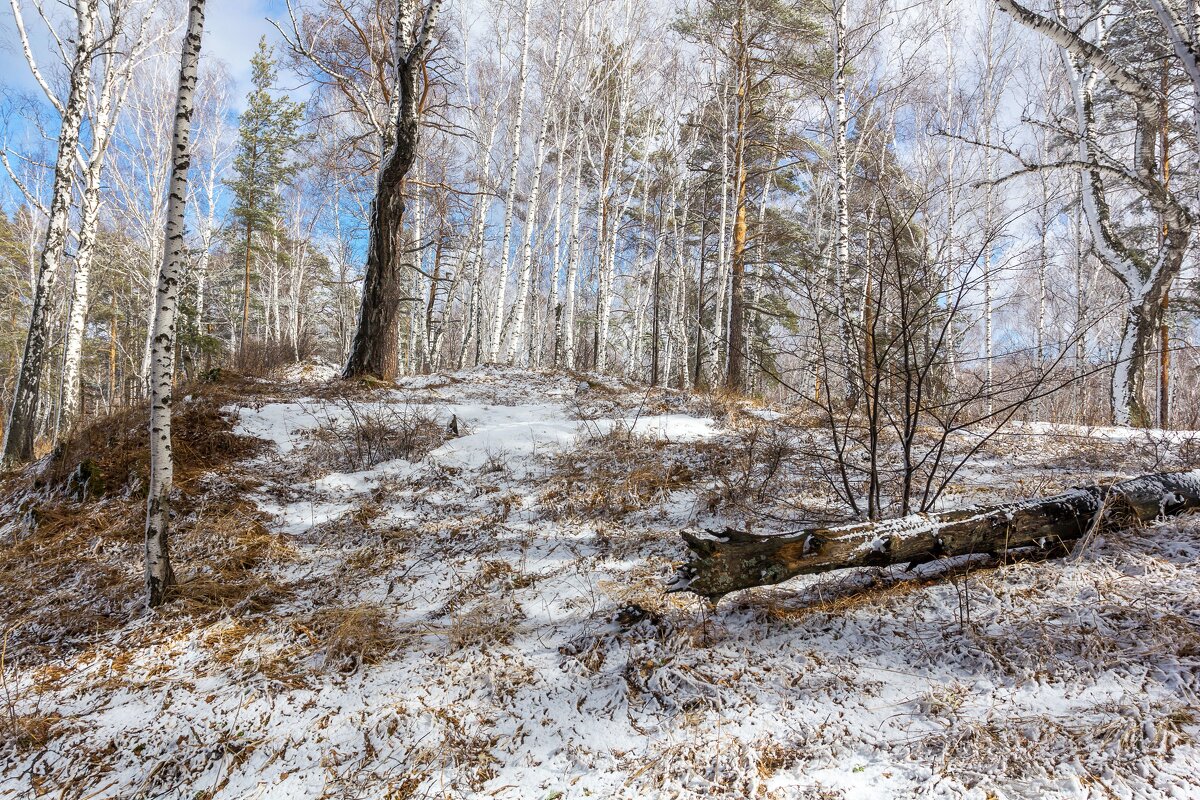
(159, 575)
(735, 374)
(374, 349)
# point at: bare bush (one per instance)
(365, 437)
(351, 636)
(614, 472)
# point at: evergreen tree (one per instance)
(265, 162)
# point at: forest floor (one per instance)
(371, 606)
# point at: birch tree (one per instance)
(510, 197)
(116, 69)
(159, 575)
(23, 417)
(517, 341)
(1145, 272)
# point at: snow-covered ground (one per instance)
(485, 618)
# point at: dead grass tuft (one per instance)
(614, 473)
(351, 636)
(110, 457)
(24, 732)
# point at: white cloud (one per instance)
(233, 28)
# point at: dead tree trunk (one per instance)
(733, 560)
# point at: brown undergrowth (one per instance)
(70, 558)
(613, 473)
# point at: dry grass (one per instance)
(228, 549)
(350, 636)
(72, 567)
(614, 473)
(113, 452)
(22, 732)
(367, 437)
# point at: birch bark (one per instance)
(159, 575)
(517, 340)
(510, 198)
(23, 416)
(111, 92)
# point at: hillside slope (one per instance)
(454, 590)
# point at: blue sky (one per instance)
(232, 30)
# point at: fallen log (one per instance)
(725, 562)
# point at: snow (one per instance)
(310, 372)
(534, 655)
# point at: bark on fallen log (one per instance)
(732, 560)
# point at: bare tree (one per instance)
(23, 417)
(159, 575)
(373, 351)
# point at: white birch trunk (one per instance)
(111, 91)
(572, 280)
(159, 575)
(517, 340)
(24, 414)
(841, 154)
(554, 312)
(716, 358)
(510, 198)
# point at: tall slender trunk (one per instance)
(24, 414)
(572, 280)
(159, 575)
(1164, 331)
(1043, 267)
(510, 199)
(614, 162)
(70, 395)
(717, 355)
(698, 362)
(841, 154)
(735, 374)
(517, 340)
(554, 311)
(112, 90)
(989, 207)
(249, 242)
(475, 247)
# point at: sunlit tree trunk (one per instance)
(24, 414)
(510, 199)
(159, 575)
(517, 341)
(110, 92)
(572, 279)
(373, 351)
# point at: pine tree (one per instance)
(268, 138)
